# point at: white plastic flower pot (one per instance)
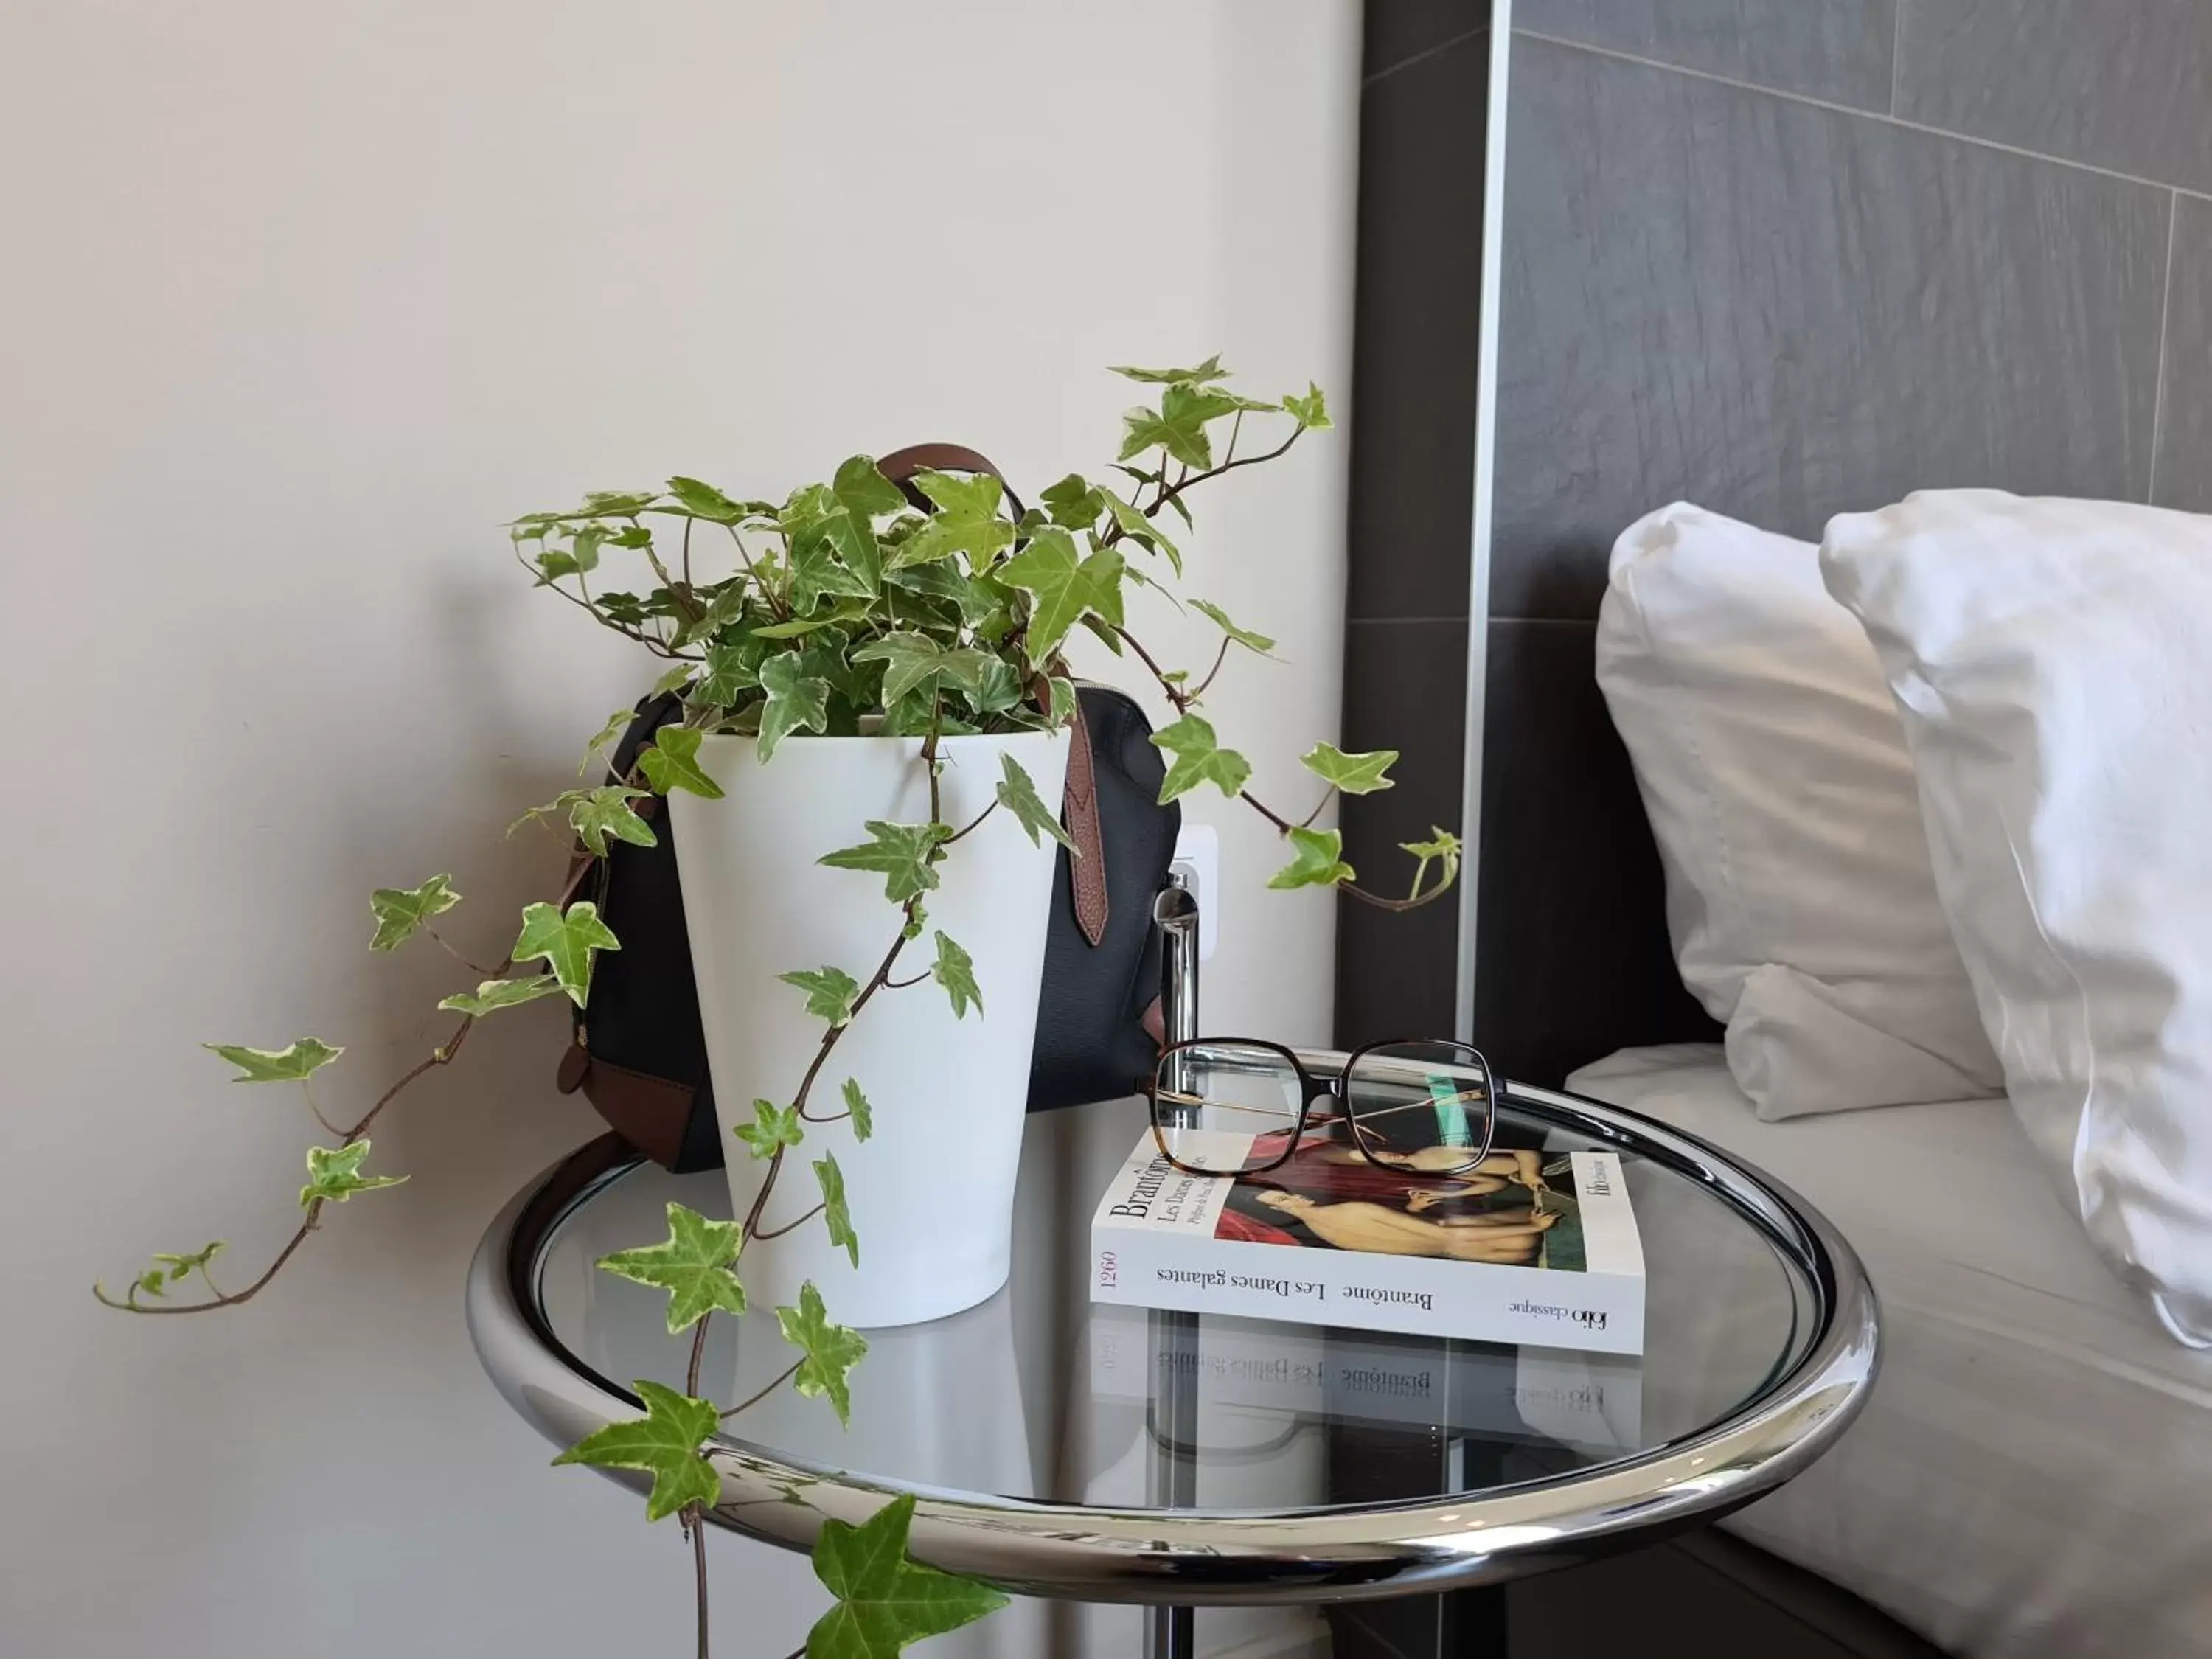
(932, 1191)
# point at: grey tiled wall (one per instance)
(1784, 258)
(1788, 258)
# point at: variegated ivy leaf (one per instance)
(1210, 369)
(823, 538)
(494, 994)
(1198, 758)
(731, 670)
(674, 679)
(1143, 531)
(903, 854)
(294, 1063)
(1243, 636)
(618, 723)
(667, 1441)
(400, 911)
(966, 521)
(671, 761)
(1178, 425)
(1445, 847)
(565, 941)
(772, 1127)
(692, 1264)
(915, 663)
(605, 811)
(1310, 411)
(829, 991)
(955, 969)
(334, 1174)
(863, 1115)
(797, 702)
(1318, 860)
(835, 1213)
(830, 1351)
(1355, 775)
(703, 500)
(184, 1265)
(1017, 793)
(1073, 503)
(1062, 587)
(886, 1602)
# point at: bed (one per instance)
(2033, 1474)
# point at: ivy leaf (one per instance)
(1243, 636)
(1445, 846)
(1074, 502)
(817, 569)
(400, 911)
(1177, 426)
(901, 853)
(1017, 793)
(618, 723)
(1198, 758)
(1210, 369)
(955, 969)
(1063, 588)
(619, 503)
(183, 1266)
(966, 521)
(494, 994)
(886, 1603)
(730, 671)
(796, 702)
(864, 1116)
(831, 1351)
(334, 1174)
(703, 500)
(672, 680)
(667, 1441)
(566, 942)
(1143, 531)
(1318, 862)
(293, 1063)
(835, 1213)
(150, 1283)
(692, 1264)
(599, 813)
(671, 761)
(867, 495)
(1310, 411)
(914, 662)
(829, 991)
(773, 1126)
(1355, 775)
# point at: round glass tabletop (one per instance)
(1107, 1452)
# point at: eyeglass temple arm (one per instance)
(1174, 912)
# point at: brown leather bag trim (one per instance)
(648, 1112)
(1078, 812)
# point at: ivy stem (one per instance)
(477, 968)
(791, 1226)
(900, 985)
(1326, 796)
(759, 1395)
(699, 1570)
(1219, 658)
(973, 823)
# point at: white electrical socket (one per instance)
(1198, 855)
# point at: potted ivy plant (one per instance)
(874, 702)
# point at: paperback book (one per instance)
(1530, 1246)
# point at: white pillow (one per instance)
(2053, 663)
(1773, 769)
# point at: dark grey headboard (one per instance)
(1799, 266)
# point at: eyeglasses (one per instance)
(1238, 1106)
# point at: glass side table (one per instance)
(1106, 1455)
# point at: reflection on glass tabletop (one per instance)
(1045, 1396)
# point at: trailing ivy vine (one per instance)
(848, 607)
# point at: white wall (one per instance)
(300, 302)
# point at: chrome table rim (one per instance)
(1136, 1554)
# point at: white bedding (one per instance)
(2033, 1473)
